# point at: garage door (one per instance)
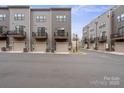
(92, 46)
(2, 44)
(40, 46)
(18, 46)
(101, 46)
(119, 46)
(61, 46)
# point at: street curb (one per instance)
(114, 53)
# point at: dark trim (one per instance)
(61, 9)
(18, 6)
(3, 7)
(40, 9)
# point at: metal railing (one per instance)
(40, 34)
(102, 39)
(61, 35)
(23, 33)
(117, 35)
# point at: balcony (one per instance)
(86, 40)
(118, 36)
(102, 39)
(40, 36)
(92, 40)
(61, 36)
(3, 36)
(19, 35)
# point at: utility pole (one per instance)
(96, 43)
(76, 43)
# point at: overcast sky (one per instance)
(81, 14)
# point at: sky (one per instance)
(81, 14)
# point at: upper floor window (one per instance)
(119, 18)
(102, 25)
(122, 17)
(2, 17)
(61, 18)
(19, 16)
(40, 18)
(1, 29)
(19, 28)
(41, 31)
(103, 34)
(61, 31)
(121, 31)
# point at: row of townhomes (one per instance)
(106, 32)
(23, 28)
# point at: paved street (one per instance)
(89, 69)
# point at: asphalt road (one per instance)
(89, 69)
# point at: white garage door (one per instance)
(101, 46)
(18, 46)
(119, 46)
(40, 46)
(61, 46)
(2, 44)
(92, 46)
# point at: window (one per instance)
(61, 18)
(1, 29)
(122, 17)
(103, 34)
(19, 16)
(61, 31)
(102, 25)
(19, 29)
(118, 18)
(121, 31)
(2, 17)
(41, 31)
(40, 18)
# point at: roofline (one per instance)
(3, 7)
(19, 6)
(36, 9)
(110, 9)
(61, 9)
(40, 9)
(48, 9)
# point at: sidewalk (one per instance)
(100, 51)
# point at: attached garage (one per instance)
(40, 47)
(119, 46)
(19, 46)
(92, 46)
(2, 44)
(101, 46)
(62, 47)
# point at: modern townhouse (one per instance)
(106, 31)
(4, 26)
(26, 29)
(40, 30)
(118, 29)
(61, 29)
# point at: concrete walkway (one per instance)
(115, 53)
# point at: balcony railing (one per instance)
(40, 35)
(102, 39)
(61, 36)
(117, 36)
(2, 36)
(19, 34)
(86, 40)
(92, 40)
